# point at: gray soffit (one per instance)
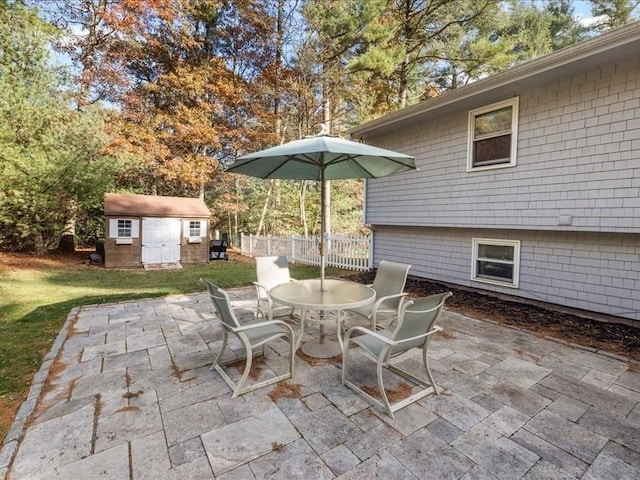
(610, 47)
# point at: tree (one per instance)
(564, 28)
(50, 154)
(612, 13)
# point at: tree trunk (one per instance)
(68, 239)
(38, 241)
(264, 208)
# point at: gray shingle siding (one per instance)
(590, 271)
(578, 155)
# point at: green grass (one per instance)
(35, 303)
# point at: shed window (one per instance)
(496, 261)
(124, 228)
(493, 135)
(195, 229)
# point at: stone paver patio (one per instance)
(126, 393)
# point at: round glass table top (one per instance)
(337, 294)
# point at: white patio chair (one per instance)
(416, 325)
(252, 335)
(271, 271)
(389, 283)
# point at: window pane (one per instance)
(194, 229)
(492, 150)
(496, 252)
(493, 122)
(124, 228)
(499, 271)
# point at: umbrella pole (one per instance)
(323, 224)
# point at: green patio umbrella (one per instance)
(321, 158)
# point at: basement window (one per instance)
(496, 261)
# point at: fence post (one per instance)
(292, 248)
(251, 244)
(370, 266)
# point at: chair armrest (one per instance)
(417, 337)
(381, 300)
(262, 324)
(261, 288)
(366, 331)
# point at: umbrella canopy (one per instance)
(311, 157)
(322, 158)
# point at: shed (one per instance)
(142, 230)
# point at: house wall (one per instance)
(598, 272)
(578, 155)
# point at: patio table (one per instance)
(337, 295)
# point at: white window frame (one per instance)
(115, 230)
(503, 243)
(202, 231)
(195, 228)
(514, 104)
(123, 227)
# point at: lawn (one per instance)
(37, 294)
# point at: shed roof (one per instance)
(619, 44)
(154, 206)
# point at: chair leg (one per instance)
(225, 337)
(292, 353)
(303, 315)
(425, 361)
(345, 357)
(379, 367)
(247, 368)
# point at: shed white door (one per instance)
(161, 240)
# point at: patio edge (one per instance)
(15, 433)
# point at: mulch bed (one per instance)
(612, 337)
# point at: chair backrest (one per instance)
(272, 271)
(221, 305)
(417, 318)
(391, 278)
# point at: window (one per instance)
(194, 229)
(124, 228)
(496, 261)
(493, 136)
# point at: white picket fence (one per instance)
(348, 252)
